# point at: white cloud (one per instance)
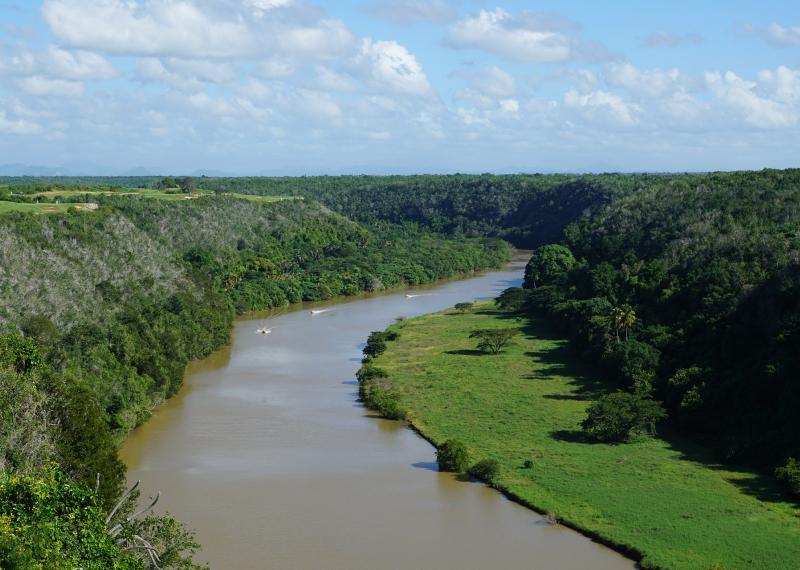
(181, 28)
(769, 104)
(58, 63)
(39, 86)
(17, 126)
(407, 12)
(603, 105)
(491, 81)
(526, 38)
(261, 7)
(652, 82)
(274, 68)
(150, 28)
(783, 36)
(391, 65)
(185, 74)
(78, 65)
(332, 80)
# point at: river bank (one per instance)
(668, 501)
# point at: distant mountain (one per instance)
(138, 171)
(17, 169)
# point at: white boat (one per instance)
(318, 311)
(263, 330)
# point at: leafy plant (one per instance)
(453, 456)
(485, 470)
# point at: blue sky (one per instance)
(399, 86)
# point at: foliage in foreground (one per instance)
(48, 522)
(54, 524)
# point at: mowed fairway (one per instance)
(669, 501)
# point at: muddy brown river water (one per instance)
(266, 453)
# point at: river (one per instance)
(266, 453)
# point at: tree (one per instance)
(547, 264)
(494, 340)
(20, 353)
(615, 417)
(453, 456)
(187, 184)
(512, 299)
(463, 307)
(166, 183)
(622, 319)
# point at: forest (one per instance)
(688, 293)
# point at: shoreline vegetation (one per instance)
(665, 502)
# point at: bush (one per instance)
(463, 307)
(789, 475)
(376, 344)
(615, 417)
(485, 470)
(453, 456)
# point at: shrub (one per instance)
(463, 307)
(485, 470)
(615, 417)
(453, 456)
(789, 475)
(376, 344)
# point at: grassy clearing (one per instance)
(669, 501)
(6, 207)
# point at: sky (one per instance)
(293, 87)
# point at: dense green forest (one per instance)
(102, 311)
(688, 292)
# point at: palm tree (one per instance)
(622, 319)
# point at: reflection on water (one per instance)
(268, 455)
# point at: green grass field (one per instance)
(667, 500)
(6, 207)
